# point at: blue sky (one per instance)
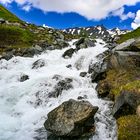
(122, 17)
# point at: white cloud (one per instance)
(26, 7)
(120, 13)
(136, 23)
(91, 9)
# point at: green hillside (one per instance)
(133, 34)
(7, 15)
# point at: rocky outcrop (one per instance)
(126, 104)
(122, 85)
(71, 119)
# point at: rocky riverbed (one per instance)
(33, 87)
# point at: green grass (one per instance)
(15, 36)
(7, 15)
(133, 34)
(129, 128)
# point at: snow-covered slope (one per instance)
(98, 31)
(24, 105)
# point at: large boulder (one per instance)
(84, 43)
(128, 100)
(129, 45)
(124, 59)
(126, 104)
(71, 119)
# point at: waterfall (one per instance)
(24, 105)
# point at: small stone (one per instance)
(83, 74)
(24, 78)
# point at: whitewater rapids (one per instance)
(22, 112)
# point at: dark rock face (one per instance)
(84, 43)
(71, 119)
(23, 78)
(38, 64)
(126, 104)
(65, 84)
(69, 53)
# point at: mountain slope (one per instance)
(7, 15)
(133, 34)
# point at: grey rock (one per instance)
(98, 71)
(84, 43)
(23, 78)
(126, 104)
(38, 64)
(72, 118)
(65, 84)
(83, 74)
(7, 56)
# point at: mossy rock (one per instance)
(118, 80)
(129, 128)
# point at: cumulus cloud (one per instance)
(136, 23)
(91, 9)
(120, 13)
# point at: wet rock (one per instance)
(69, 66)
(72, 118)
(82, 97)
(84, 43)
(83, 74)
(38, 64)
(103, 89)
(30, 52)
(7, 56)
(23, 78)
(68, 53)
(126, 104)
(65, 84)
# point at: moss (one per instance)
(133, 34)
(15, 37)
(119, 80)
(5, 14)
(129, 128)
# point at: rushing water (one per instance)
(23, 111)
